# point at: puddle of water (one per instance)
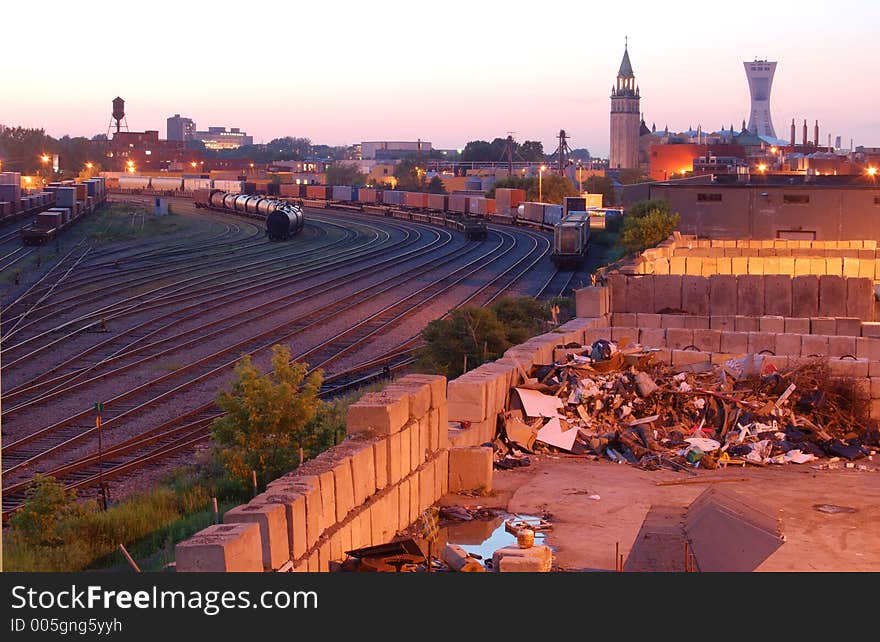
(484, 537)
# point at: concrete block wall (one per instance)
(393, 465)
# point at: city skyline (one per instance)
(351, 80)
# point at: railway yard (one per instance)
(152, 324)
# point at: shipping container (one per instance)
(574, 204)
(292, 191)
(533, 212)
(233, 187)
(457, 203)
(508, 199)
(417, 200)
(368, 195)
(321, 192)
(81, 191)
(49, 219)
(342, 193)
(480, 206)
(552, 214)
(437, 202)
(10, 178)
(392, 197)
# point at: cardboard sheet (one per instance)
(537, 404)
(552, 434)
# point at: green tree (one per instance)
(344, 174)
(436, 186)
(531, 151)
(631, 176)
(555, 188)
(269, 418)
(410, 175)
(477, 150)
(646, 224)
(475, 333)
(521, 317)
(49, 504)
(90, 172)
(601, 185)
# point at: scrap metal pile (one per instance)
(614, 401)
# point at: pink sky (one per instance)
(450, 72)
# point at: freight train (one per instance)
(72, 201)
(571, 240)
(283, 219)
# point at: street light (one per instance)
(89, 165)
(540, 186)
(762, 167)
(872, 171)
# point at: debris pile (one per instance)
(610, 400)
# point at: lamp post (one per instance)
(540, 185)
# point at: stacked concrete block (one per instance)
(867, 348)
(788, 344)
(841, 346)
(772, 324)
(823, 325)
(652, 337)
(624, 319)
(814, 345)
(849, 326)
(805, 296)
(592, 301)
(667, 292)
(746, 324)
(668, 321)
(620, 333)
(707, 340)
(640, 294)
(724, 323)
(272, 522)
(468, 398)
(679, 338)
(647, 320)
(777, 295)
(696, 322)
(695, 295)
(750, 295)
(722, 294)
(617, 284)
(689, 357)
(294, 505)
(870, 329)
(850, 368)
(739, 265)
(221, 548)
(309, 488)
(859, 299)
(796, 325)
(379, 413)
(470, 469)
(762, 342)
(735, 342)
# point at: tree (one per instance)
(345, 174)
(410, 175)
(554, 188)
(269, 418)
(631, 176)
(532, 151)
(646, 224)
(47, 506)
(521, 317)
(601, 185)
(436, 186)
(477, 150)
(90, 172)
(475, 333)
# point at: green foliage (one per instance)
(522, 317)
(48, 506)
(601, 185)
(342, 174)
(631, 176)
(481, 334)
(269, 418)
(530, 151)
(496, 151)
(410, 175)
(646, 224)
(552, 188)
(436, 186)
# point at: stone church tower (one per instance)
(625, 118)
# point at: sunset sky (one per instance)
(448, 72)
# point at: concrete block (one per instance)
(707, 340)
(817, 266)
(668, 321)
(591, 301)
(866, 348)
(874, 386)
(780, 362)
(693, 266)
(859, 299)
(739, 265)
(618, 333)
(384, 518)
(677, 265)
(842, 346)
(855, 368)
(363, 473)
(875, 408)
(695, 295)
(661, 266)
(295, 508)
(414, 498)
(327, 517)
(380, 462)
(426, 487)
(662, 355)
(850, 267)
(424, 438)
(823, 325)
(774, 324)
(407, 462)
(814, 345)
(679, 338)
(470, 469)
(221, 548)
(724, 322)
(310, 489)
(834, 266)
(468, 398)
(709, 267)
(624, 319)
(756, 265)
(723, 265)
(379, 413)
(802, 267)
(750, 295)
(874, 368)
(343, 488)
(747, 324)
(443, 471)
(832, 296)
(786, 264)
(652, 337)
(434, 430)
(866, 266)
(777, 295)
(667, 292)
(644, 320)
(443, 426)
(403, 520)
(771, 263)
(762, 342)
(394, 458)
(618, 285)
(272, 522)
(805, 296)
(788, 345)
(719, 358)
(512, 559)
(735, 342)
(313, 563)
(870, 329)
(640, 294)
(797, 325)
(419, 395)
(324, 556)
(849, 327)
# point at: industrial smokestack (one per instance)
(829, 142)
(816, 140)
(792, 132)
(805, 131)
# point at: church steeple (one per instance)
(626, 79)
(627, 121)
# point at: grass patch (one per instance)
(117, 223)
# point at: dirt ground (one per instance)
(586, 530)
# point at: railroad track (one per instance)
(557, 285)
